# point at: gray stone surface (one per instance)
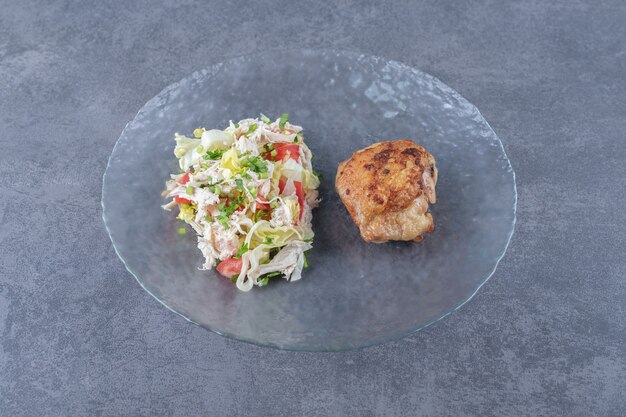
(545, 337)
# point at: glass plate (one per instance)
(355, 294)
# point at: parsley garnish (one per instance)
(239, 184)
(268, 240)
(216, 154)
(255, 164)
(265, 119)
(223, 220)
(264, 279)
(243, 249)
(260, 214)
(252, 128)
(283, 120)
(225, 212)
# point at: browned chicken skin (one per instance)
(386, 188)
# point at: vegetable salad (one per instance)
(248, 192)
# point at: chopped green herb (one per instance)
(263, 175)
(274, 153)
(182, 230)
(306, 264)
(227, 210)
(317, 174)
(260, 214)
(190, 190)
(239, 200)
(246, 176)
(283, 120)
(239, 184)
(274, 204)
(234, 278)
(298, 136)
(223, 220)
(265, 119)
(215, 154)
(264, 279)
(273, 252)
(255, 164)
(243, 249)
(252, 128)
(268, 240)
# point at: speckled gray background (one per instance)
(545, 337)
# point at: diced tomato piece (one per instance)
(281, 185)
(285, 151)
(262, 203)
(229, 267)
(181, 200)
(185, 178)
(300, 195)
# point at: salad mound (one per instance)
(248, 192)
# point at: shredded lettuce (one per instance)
(217, 139)
(187, 213)
(289, 259)
(230, 162)
(278, 235)
(186, 150)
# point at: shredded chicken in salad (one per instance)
(248, 192)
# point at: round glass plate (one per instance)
(354, 294)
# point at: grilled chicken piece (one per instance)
(386, 188)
